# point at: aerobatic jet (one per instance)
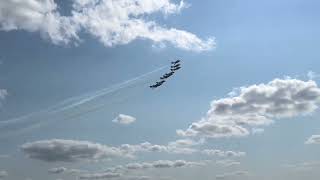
(175, 66)
(167, 75)
(157, 84)
(175, 62)
(174, 69)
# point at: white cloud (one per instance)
(227, 163)
(154, 165)
(70, 150)
(257, 130)
(60, 170)
(37, 15)
(314, 139)
(220, 153)
(304, 166)
(185, 143)
(3, 94)
(113, 22)
(3, 174)
(232, 175)
(124, 119)
(254, 106)
(106, 175)
(313, 75)
(138, 177)
(57, 170)
(148, 147)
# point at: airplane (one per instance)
(157, 84)
(174, 69)
(165, 76)
(175, 66)
(175, 62)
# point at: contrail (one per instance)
(74, 102)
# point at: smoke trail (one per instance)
(32, 120)
(106, 91)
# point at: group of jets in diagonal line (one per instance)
(175, 65)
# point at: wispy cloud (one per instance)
(314, 139)
(313, 75)
(232, 175)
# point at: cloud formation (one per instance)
(254, 106)
(227, 163)
(124, 119)
(69, 150)
(3, 94)
(122, 170)
(314, 139)
(148, 147)
(57, 170)
(232, 175)
(162, 164)
(112, 22)
(105, 175)
(60, 170)
(55, 150)
(220, 153)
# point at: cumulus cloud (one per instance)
(69, 150)
(37, 16)
(314, 139)
(124, 119)
(232, 175)
(255, 106)
(112, 22)
(3, 174)
(220, 153)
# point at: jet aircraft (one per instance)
(174, 69)
(157, 84)
(165, 76)
(175, 65)
(175, 62)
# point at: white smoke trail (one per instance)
(78, 100)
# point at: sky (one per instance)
(75, 101)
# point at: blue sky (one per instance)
(75, 101)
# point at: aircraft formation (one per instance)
(175, 65)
